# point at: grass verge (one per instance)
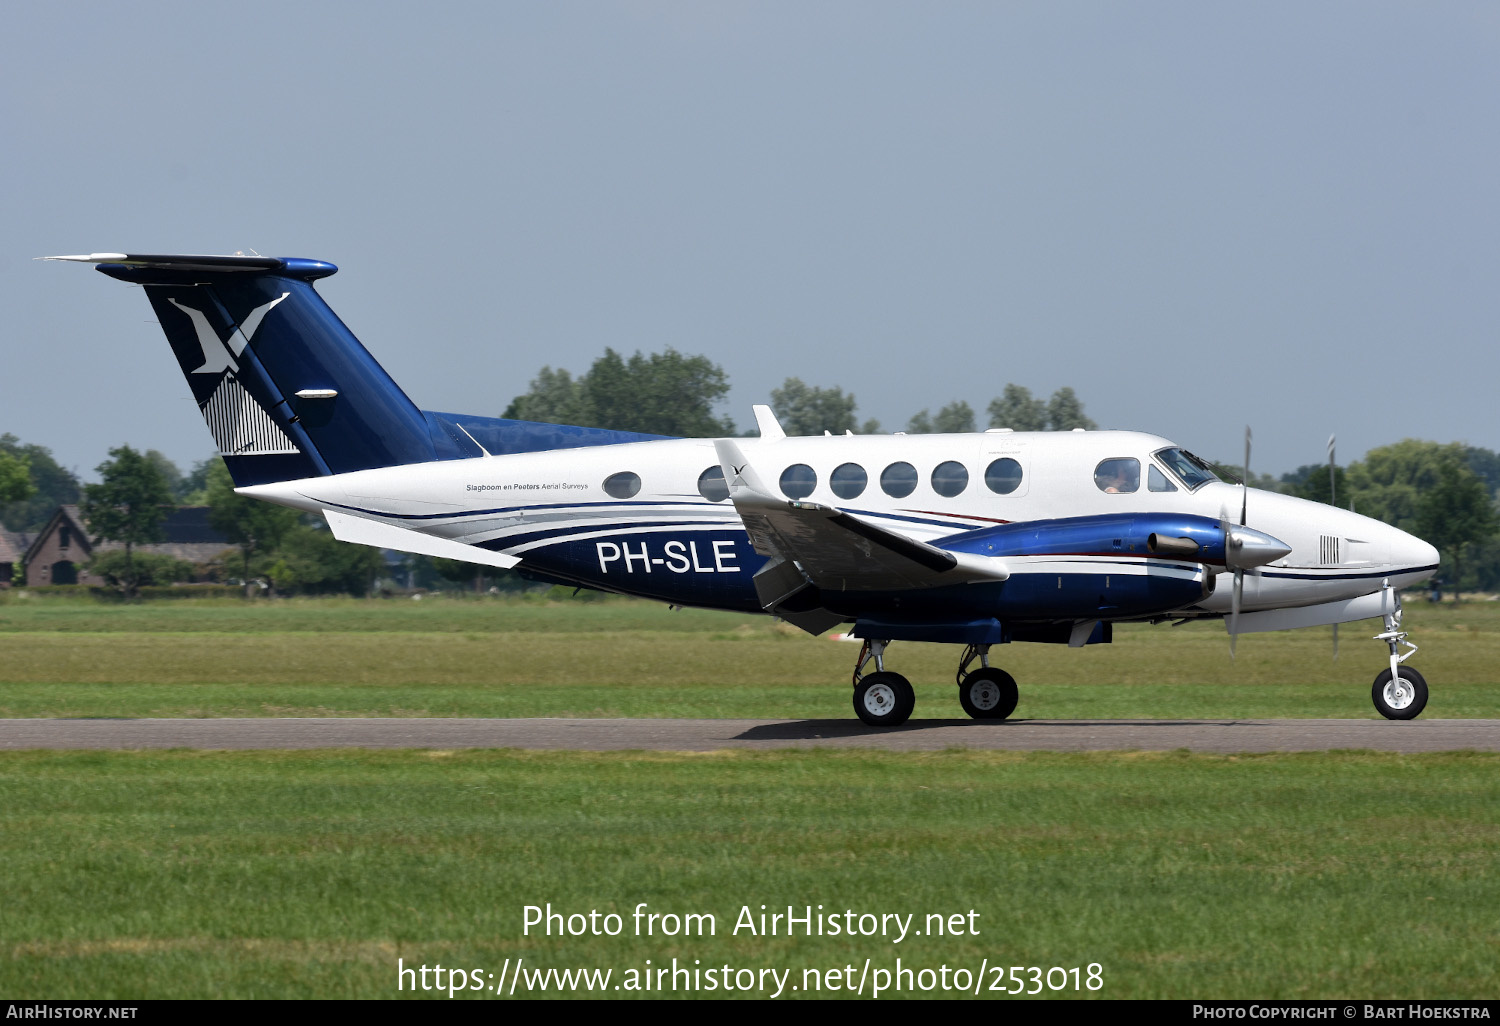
(192, 874)
(482, 658)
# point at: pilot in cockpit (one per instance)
(1118, 475)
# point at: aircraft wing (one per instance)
(839, 551)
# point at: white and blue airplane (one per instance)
(970, 539)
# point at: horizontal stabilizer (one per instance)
(181, 261)
(361, 531)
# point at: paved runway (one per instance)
(710, 735)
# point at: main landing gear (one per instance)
(886, 699)
(881, 699)
(988, 693)
(1399, 693)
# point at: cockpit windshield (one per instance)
(1192, 470)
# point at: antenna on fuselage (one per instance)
(770, 428)
(472, 439)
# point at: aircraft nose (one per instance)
(1408, 550)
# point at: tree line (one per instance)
(1445, 494)
(669, 393)
(277, 547)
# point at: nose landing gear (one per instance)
(1399, 697)
(1399, 693)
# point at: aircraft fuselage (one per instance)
(653, 519)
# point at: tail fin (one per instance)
(286, 389)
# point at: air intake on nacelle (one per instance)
(1165, 545)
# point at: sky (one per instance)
(1199, 216)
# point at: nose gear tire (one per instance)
(1401, 699)
(988, 694)
(884, 699)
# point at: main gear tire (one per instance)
(988, 694)
(884, 699)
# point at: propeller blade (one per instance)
(1245, 487)
(1331, 496)
(1332, 499)
(1234, 614)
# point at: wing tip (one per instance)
(89, 258)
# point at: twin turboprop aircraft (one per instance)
(971, 539)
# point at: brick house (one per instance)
(60, 552)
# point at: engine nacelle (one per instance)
(1176, 536)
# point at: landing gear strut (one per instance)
(1399, 693)
(988, 693)
(882, 698)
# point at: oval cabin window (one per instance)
(898, 480)
(950, 478)
(798, 481)
(1003, 476)
(623, 485)
(848, 480)
(711, 485)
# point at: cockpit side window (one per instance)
(1156, 481)
(1191, 470)
(1118, 475)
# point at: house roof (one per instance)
(70, 513)
(13, 545)
(188, 535)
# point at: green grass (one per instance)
(189, 874)
(445, 657)
(307, 874)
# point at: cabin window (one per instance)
(711, 485)
(1118, 475)
(1156, 481)
(798, 481)
(64, 536)
(848, 480)
(950, 478)
(898, 480)
(1003, 476)
(623, 485)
